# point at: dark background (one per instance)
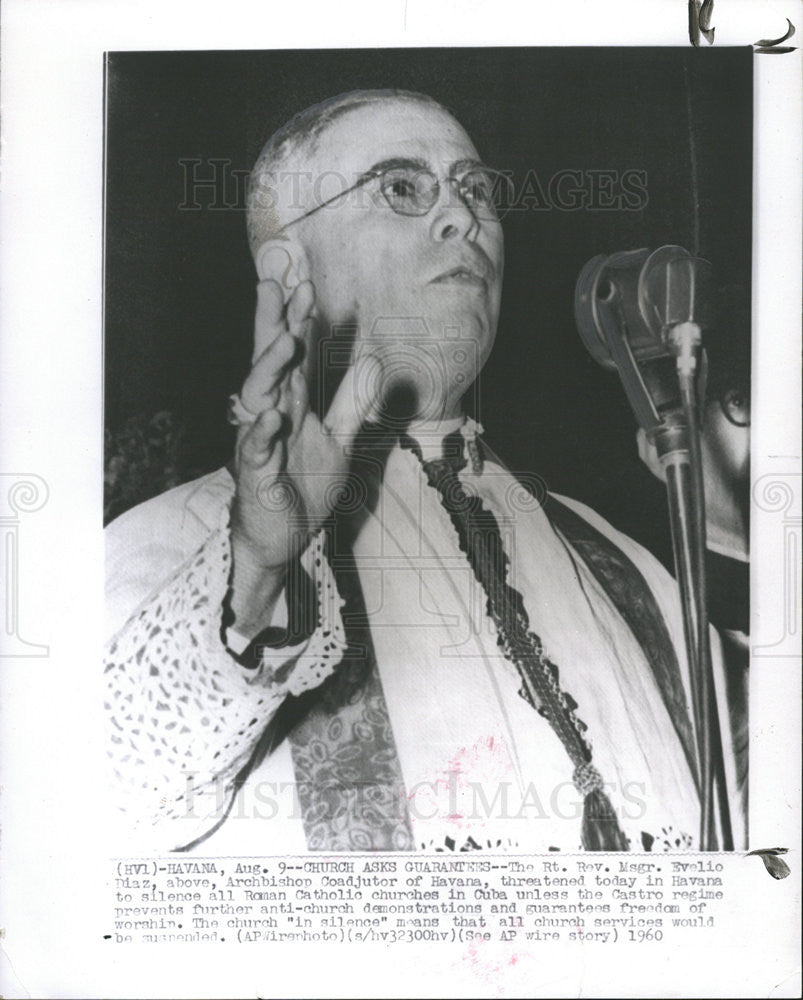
(180, 285)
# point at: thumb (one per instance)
(258, 447)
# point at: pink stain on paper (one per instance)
(470, 775)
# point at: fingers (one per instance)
(279, 338)
(272, 319)
(299, 308)
(268, 319)
(261, 389)
(258, 443)
(295, 402)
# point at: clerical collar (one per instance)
(433, 439)
(429, 435)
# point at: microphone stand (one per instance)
(675, 433)
(677, 441)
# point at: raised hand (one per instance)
(289, 464)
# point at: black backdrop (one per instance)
(180, 283)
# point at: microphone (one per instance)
(642, 313)
(637, 308)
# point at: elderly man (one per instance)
(367, 634)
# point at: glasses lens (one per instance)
(488, 193)
(410, 191)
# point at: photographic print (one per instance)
(402, 512)
(386, 260)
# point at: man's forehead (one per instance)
(387, 130)
(358, 141)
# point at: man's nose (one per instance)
(451, 216)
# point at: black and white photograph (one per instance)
(390, 556)
(401, 499)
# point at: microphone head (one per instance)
(629, 308)
(645, 293)
(675, 288)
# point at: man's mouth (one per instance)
(462, 276)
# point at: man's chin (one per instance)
(427, 363)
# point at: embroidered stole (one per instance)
(348, 774)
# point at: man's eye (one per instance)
(479, 189)
(401, 187)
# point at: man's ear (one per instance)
(283, 260)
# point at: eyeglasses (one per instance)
(413, 190)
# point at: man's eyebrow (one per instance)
(397, 161)
(416, 163)
(461, 166)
